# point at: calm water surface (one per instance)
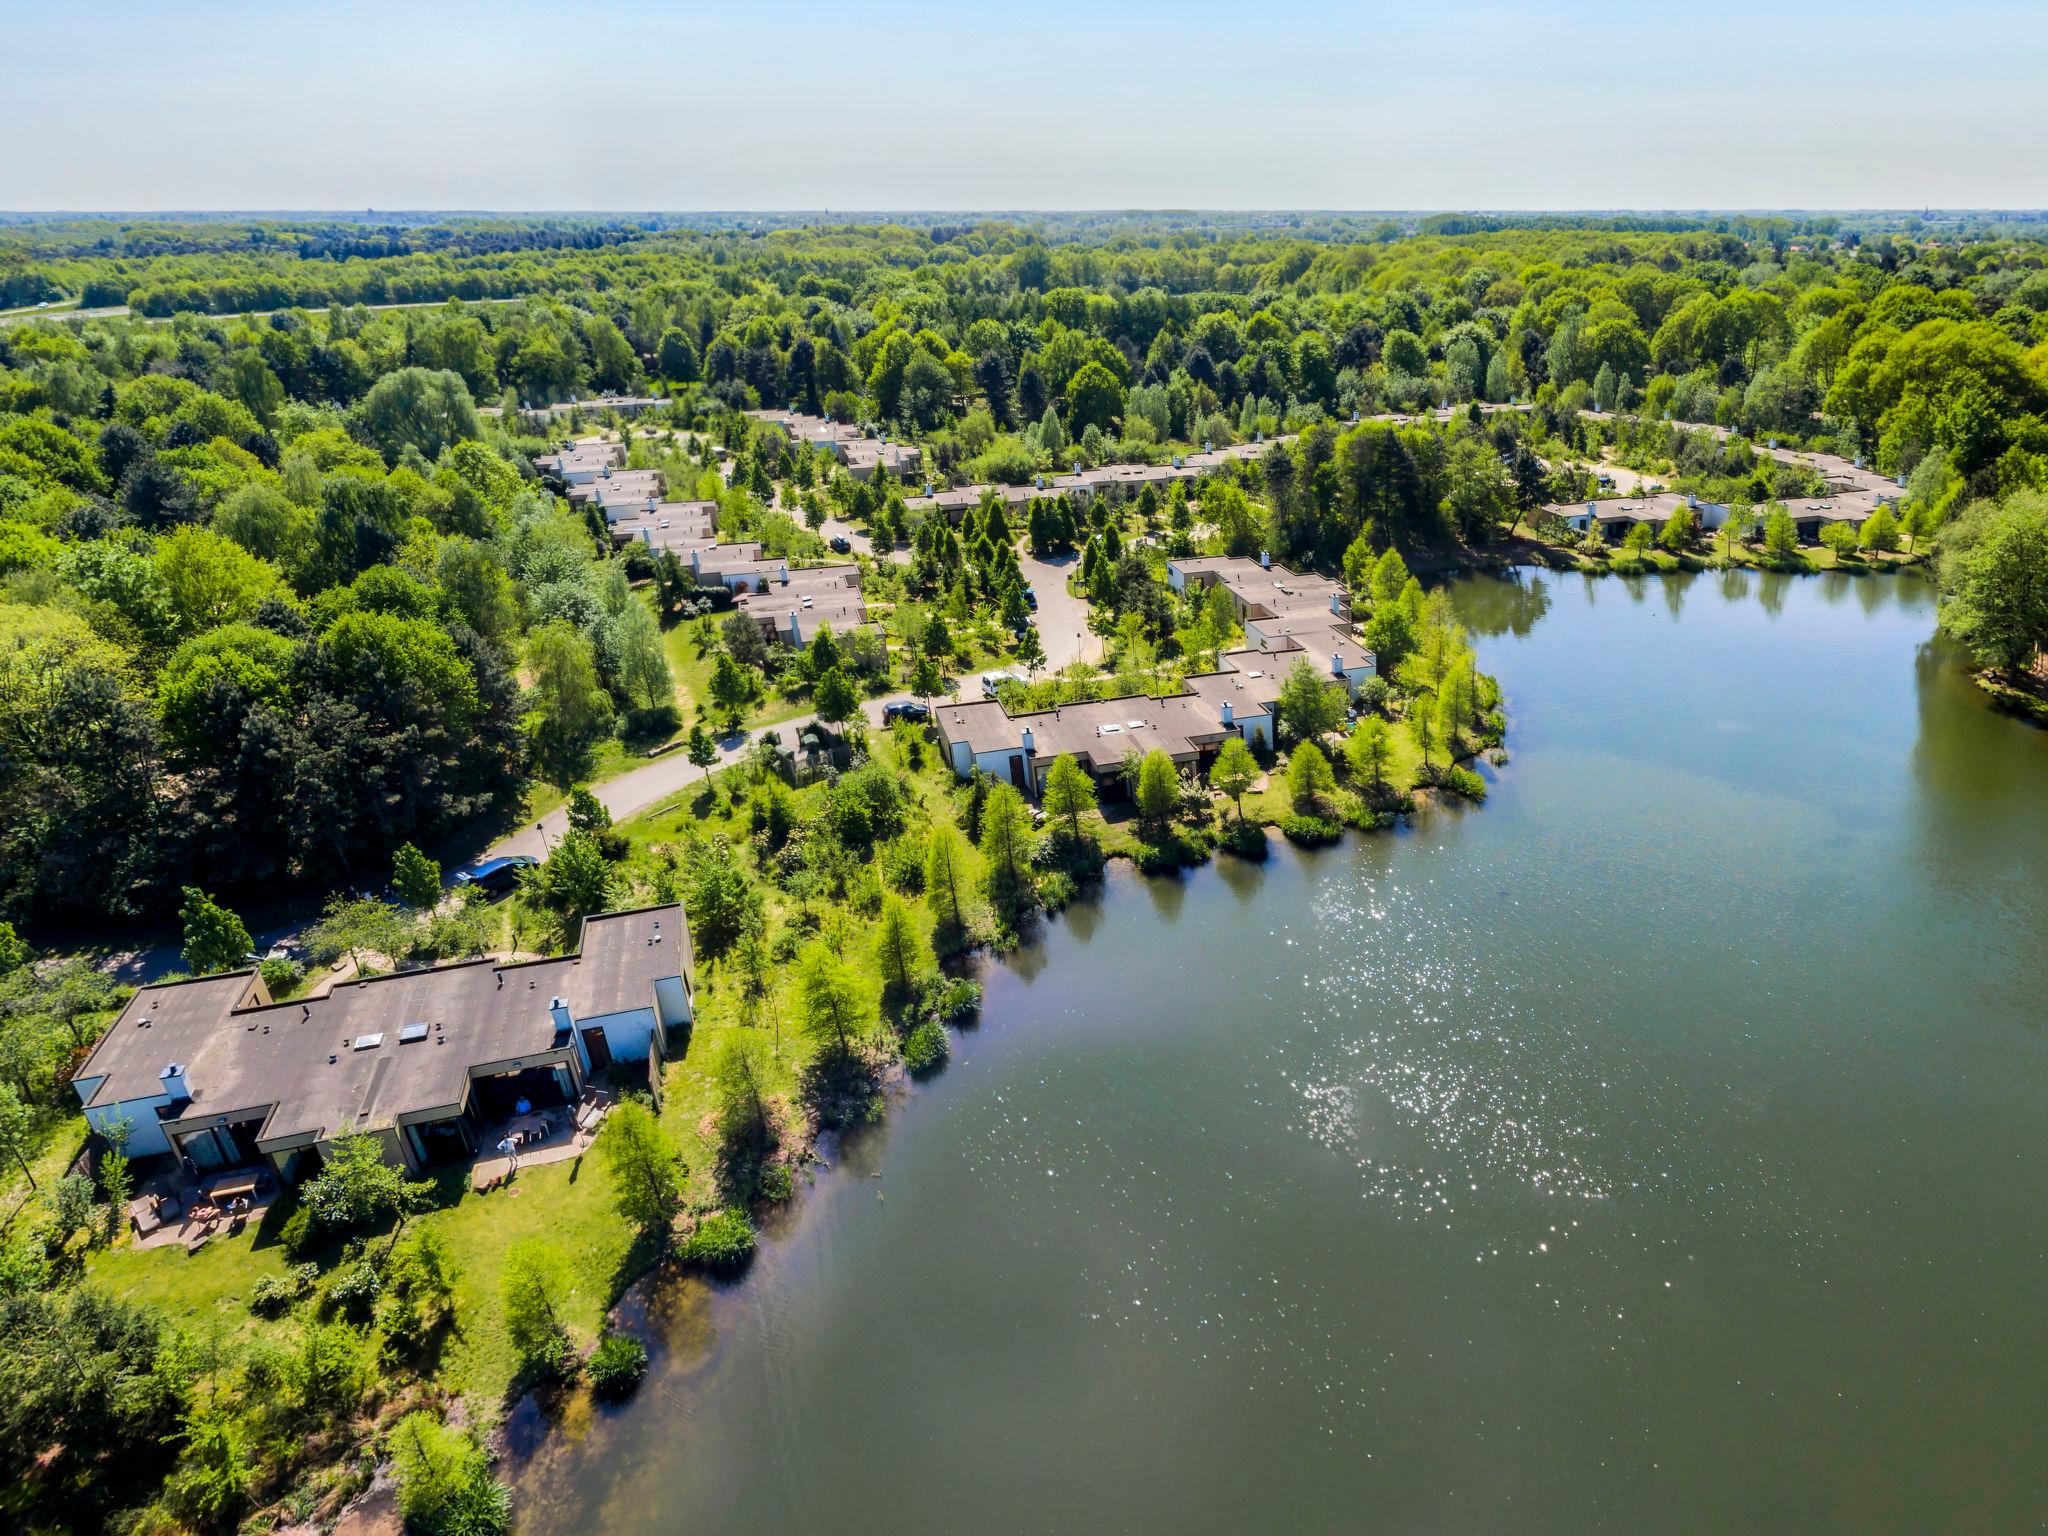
(1659, 1148)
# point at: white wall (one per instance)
(626, 1033)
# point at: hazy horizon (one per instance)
(631, 106)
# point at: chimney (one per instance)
(172, 1081)
(1591, 510)
(785, 573)
(1901, 480)
(653, 501)
(1265, 560)
(1692, 500)
(1029, 747)
(1229, 715)
(1336, 663)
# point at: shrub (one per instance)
(775, 1184)
(296, 1235)
(926, 1048)
(1373, 694)
(1055, 890)
(1246, 839)
(1463, 781)
(723, 1240)
(353, 1290)
(617, 1365)
(274, 1294)
(280, 976)
(1310, 831)
(953, 999)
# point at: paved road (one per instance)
(633, 792)
(115, 311)
(1062, 618)
(862, 544)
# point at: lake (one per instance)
(1659, 1147)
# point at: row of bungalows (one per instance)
(215, 1074)
(790, 603)
(1283, 610)
(1809, 514)
(1288, 619)
(1086, 484)
(582, 461)
(860, 452)
(625, 405)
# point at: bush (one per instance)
(953, 999)
(927, 1048)
(656, 724)
(723, 1240)
(1373, 694)
(1246, 839)
(774, 1185)
(1310, 831)
(353, 1291)
(274, 1295)
(296, 1235)
(617, 1365)
(280, 976)
(1463, 781)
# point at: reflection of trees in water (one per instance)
(1512, 604)
(1771, 587)
(1981, 814)
(1676, 588)
(1734, 583)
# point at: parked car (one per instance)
(1031, 599)
(840, 545)
(905, 709)
(496, 875)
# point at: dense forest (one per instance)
(277, 596)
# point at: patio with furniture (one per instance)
(177, 1208)
(535, 1137)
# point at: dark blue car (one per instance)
(496, 875)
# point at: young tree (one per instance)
(534, 1287)
(1069, 793)
(834, 1003)
(1881, 531)
(740, 1097)
(733, 688)
(834, 697)
(1310, 706)
(17, 1131)
(646, 1172)
(1310, 782)
(356, 926)
(1679, 531)
(1006, 845)
(356, 1186)
(1234, 772)
(577, 879)
(1781, 537)
(1368, 749)
(415, 878)
(945, 874)
(701, 750)
(1158, 789)
(900, 947)
(215, 939)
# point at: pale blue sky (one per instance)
(783, 104)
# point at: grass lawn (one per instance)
(60, 1135)
(201, 1291)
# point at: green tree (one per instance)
(445, 1484)
(1310, 783)
(1368, 749)
(17, 1131)
(834, 698)
(1095, 398)
(739, 1088)
(1881, 531)
(1679, 530)
(732, 689)
(1158, 789)
(569, 711)
(576, 881)
(534, 1287)
(702, 750)
(1310, 705)
(1006, 848)
(416, 878)
(1234, 772)
(1781, 537)
(1069, 793)
(945, 874)
(356, 926)
(356, 1185)
(647, 1174)
(1994, 581)
(419, 408)
(901, 949)
(834, 1002)
(643, 659)
(215, 939)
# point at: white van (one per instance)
(991, 682)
